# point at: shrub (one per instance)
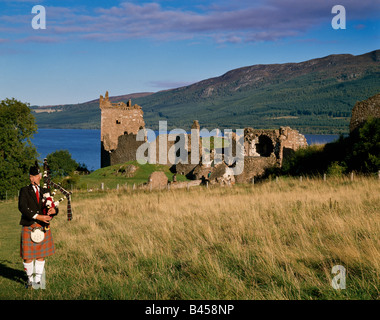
(61, 164)
(365, 155)
(336, 169)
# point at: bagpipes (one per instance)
(48, 197)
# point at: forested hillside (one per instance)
(314, 96)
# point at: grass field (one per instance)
(274, 240)
(111, 178)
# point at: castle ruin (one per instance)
(364, 110)
(121, 122)
(267, 148)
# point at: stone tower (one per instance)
(120, 123)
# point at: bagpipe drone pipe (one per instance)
(48, 197)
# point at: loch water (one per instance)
(84, 145)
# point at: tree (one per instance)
(61, 164)
(365, 155)
(17, 153)
(358, 152)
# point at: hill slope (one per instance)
(314, 96)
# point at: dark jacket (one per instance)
(28, 205)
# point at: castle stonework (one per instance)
(363, 110)
(267, 148)
(262, 149)
(120, 123)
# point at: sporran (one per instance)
(37, 235)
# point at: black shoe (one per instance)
(28, 284)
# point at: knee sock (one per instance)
(39, 265)
(28, 267)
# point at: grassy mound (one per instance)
(121, 175)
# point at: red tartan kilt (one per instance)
(30, 250)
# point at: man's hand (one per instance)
(51, 211)
(44, 218)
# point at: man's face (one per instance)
(35, 179)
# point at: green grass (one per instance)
(111, 178)
(274, 240)
(11, 269)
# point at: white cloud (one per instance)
(226, 22)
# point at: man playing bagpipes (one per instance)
(37, 208)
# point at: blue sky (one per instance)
(89, 47)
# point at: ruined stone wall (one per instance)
(267, 148)
(126, 149)
(117, 119)
(121, 122)
(175, 141)
(261, 143)
(255, 167)
(363, 110)
(265, 143)
(291, 140)
(163, 152)
(262, 149)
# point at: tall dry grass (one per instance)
(276, 240)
